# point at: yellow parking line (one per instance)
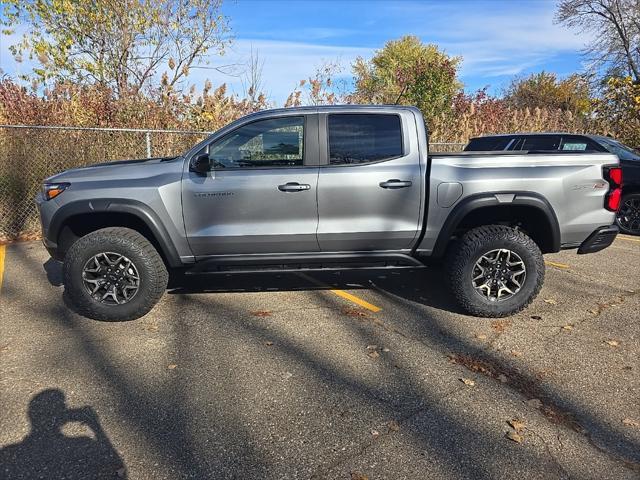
(629, 239)
(2, 255)
(555, 264)
(356, 300)
(341, 293)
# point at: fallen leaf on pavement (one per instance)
(373, 354)
(261, 313)
(354, 312)
(481, 336)
(393, 425)
(358, 476)
(612, 343)
(568, 327)
(534, 402)
(536, 317)
(514, 437)
(468, 382)
(172, 366)
(630, 423)
(500, 325)
(517, 424)
(550, 301)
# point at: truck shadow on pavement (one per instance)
(425, 286)
(46, 452)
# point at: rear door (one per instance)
(260, 196)
(370, 182)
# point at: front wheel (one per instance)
(113, 274)
(495, 271)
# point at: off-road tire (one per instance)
(463, 255)
(151, 270)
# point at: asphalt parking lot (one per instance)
(325, 375)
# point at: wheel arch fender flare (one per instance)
(496, 199)
(141, 211)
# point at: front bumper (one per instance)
(46, 209)
(599, 240)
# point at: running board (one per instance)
(302, 262)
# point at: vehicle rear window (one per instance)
(488, 144)
(362, 138)
(541, 142)
(622, 151)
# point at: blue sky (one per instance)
(496, 38)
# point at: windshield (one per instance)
(622, 151)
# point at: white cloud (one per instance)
(500, 38)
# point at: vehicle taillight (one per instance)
(614, 176)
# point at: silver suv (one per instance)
(321, 188)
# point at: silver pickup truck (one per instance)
(325, 188)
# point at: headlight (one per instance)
(52, 190)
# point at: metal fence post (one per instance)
(148, 138)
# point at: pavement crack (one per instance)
(553, 458)
(373, 441)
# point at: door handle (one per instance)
(395, 183)
(294, 187)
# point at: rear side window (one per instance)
(541, 142)
(361, 138)
(488, 144)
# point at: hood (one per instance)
(121, 169)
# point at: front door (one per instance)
(260, 196)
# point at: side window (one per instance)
(578, 143)
(362, 138)
(274, 142)
(541, 142)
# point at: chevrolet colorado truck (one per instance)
(324, 188)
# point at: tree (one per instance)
(120, 44)
(615, 25)
(619, 109)
(408, 72)
(544, 90)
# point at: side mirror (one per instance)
(201, 164)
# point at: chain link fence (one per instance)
(29, 154)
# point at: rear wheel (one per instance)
(628, 217)
(495, 271)
(114, 274)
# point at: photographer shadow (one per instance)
(48, 453)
